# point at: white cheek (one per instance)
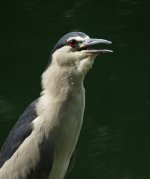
(86, 64)
(81, 60)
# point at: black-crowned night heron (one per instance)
(42, 143)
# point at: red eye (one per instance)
(72, 43)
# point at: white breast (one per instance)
(69, 130)
(62, 106)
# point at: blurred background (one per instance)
(115, 138)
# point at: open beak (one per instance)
(89, 43)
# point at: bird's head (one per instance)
(76, 50)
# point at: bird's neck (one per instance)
(58, 81)
(61, 89)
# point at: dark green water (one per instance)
(115, 138)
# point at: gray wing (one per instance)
(18, 134)
(20, 131)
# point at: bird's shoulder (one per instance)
(19, 132)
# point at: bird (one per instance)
(42, 143)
